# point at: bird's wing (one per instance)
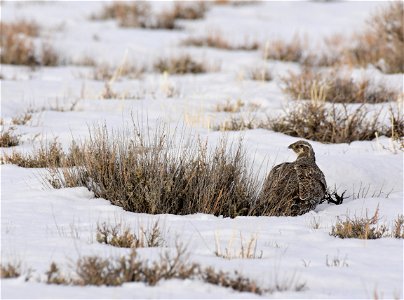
(312, 183)
(276, 175)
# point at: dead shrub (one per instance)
(192, 10)
(230, 106)
(216, 40)
(179, 65)
(318, 121)
(95, 270)
(360, 228)
(335, 87)
(380, 44)
(260, 74)
(398, 229)
(137, 14)
(46, 156)
(53, 275)
(18, 47)
(22, 119)
(237, 123)
(293, 50)
(10, 270)
(120, 236)
(245, 250)
(148, 173)
(8, 138)
(105, 72)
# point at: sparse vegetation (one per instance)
(314, 120)
(95, 270)
(8, 138)
(139, 14)
(367, 228)
(245, 250)
(105, 72)
(120, 236)
(216, 40)
(22, 119)
(335, 87)
(10, 270)
(380, 44)
(179, 65)
(293, 50)
(18, 47)
(260, 74)
(336, 261)
(46, 156)
(142, 173)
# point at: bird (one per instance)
(293, 188)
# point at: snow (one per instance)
(40, 225)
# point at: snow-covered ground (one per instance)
(41, 225)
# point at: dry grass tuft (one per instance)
(46, 156)
(8, 138)
(192, 10)
(105, 72)
(53, 275)
(237, 123)
(149, 173)
(10, 270)
(293, 50)
(22, 119)
(216, 40)
(18, 47)
(317, 121)
(140, 15)
(120, 236)
(179, 65)
(380, 44)
(260, 74)
(95, 270)
(367, 228)
(245, 250)
(335, 87)
(229, 106)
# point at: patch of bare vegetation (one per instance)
(183, 64)
(8, 138)
(148, 173)
(294, 50)
(139, 14)
(10, 270)
(260, 74)
(216, 40)
(237, 122)
(105, 72)
(367, 228)
(246, 249)
(318, 121)
(380, 44)
(22, 119)
(121, 236)
(98, 271)
(18, 47)
(335, 87)
(236, 2)
(46, 156)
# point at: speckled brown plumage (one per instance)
(295, 188)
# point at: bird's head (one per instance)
(303, 149)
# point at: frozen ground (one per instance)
(39, 225)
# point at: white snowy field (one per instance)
(40, 225)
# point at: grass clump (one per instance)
(260, 74)
(183, 64)
(216, 40)
(367, 228)
(46, 156)
(190, 10)
(120, 236)
(8, 138)
(317, 121)
(98, 271)
(149, 173)
(293, 50)
(382, 42)
(18, 47)
(10, 270)
(334, 87)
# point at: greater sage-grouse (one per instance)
(293, 189)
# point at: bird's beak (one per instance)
(290, 146)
